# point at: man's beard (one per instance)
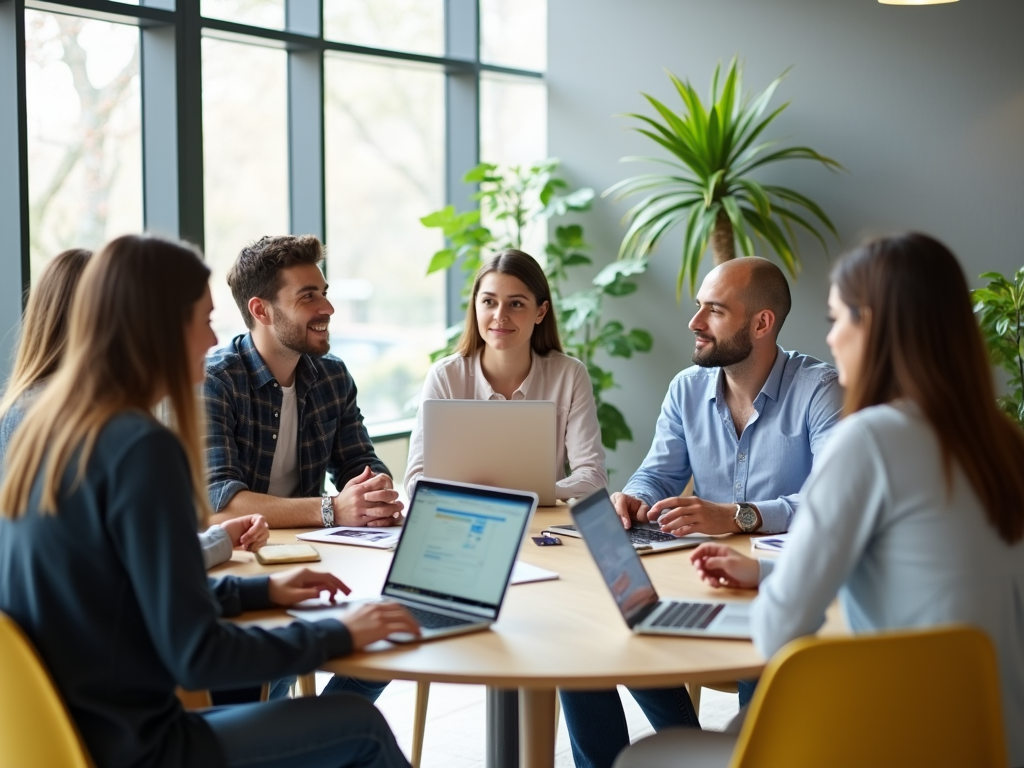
(293, 336)
(722, 353)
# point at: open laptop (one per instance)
(501, 443)
(455, 557)
(633, 591)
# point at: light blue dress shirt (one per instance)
(766, 466)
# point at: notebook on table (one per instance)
(500, 443)
(455, 557)
(634, 593)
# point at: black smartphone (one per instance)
(546, 541)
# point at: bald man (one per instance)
(745, 423)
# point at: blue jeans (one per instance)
(597, 724)
(745, 688)
(368, 689)
(322, 732)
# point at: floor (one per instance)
(456, 721)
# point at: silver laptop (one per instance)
(455, 558)
(646, 538)
(633, 591)
(501, 443)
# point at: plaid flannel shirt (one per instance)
(243, 407)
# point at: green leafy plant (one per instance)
(515, 200)
(1000, 310)
(711, 190)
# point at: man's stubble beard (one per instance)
(725, 352)
(293, 336)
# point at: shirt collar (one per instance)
(771, 386)
(486, 385)
(260, 374)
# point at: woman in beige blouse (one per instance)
(510, 350)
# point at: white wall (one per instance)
(924, 106)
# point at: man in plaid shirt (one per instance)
(281, 412)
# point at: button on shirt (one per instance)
(555, 377)
(766, 466)
(243, 406)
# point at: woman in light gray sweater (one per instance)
(914, 513)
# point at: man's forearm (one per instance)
(280, 513)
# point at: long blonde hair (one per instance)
(126, 348)
(44, 326)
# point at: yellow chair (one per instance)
(35, 728)
(878, 700)
(883, 701)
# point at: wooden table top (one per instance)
(566, 633)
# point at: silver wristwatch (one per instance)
(327, 510)
(746, 518)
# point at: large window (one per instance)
(84, 132)
(219, 121)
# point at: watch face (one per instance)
(746, 518)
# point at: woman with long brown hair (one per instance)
(99, 563)
(41, 348)
(914, 514)
(510, 350)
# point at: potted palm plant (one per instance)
(711, 189)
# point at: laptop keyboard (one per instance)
(431, 620)
(639, 535)
(689, 615)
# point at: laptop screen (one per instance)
(459, 546)
(611, 549)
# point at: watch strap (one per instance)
(327, 510)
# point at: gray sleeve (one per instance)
(843, 500)
(216, 545)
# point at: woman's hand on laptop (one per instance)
(368, 499)
(722, 566)
(290, 587)
(377, 621)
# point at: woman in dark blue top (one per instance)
(99, 561)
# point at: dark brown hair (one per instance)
(256, 272)
(126, 348)
(44, 326)
(524, 267)
(923, 344)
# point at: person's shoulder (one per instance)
(696, 377)
(331, 366)
(129, 431)
(455, 364)
(810, 369)
(226, 360)
(560, 360)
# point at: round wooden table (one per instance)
(565, 633)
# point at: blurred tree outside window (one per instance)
(416, 26)
(84, 133)
(245, 160)
(385, 167)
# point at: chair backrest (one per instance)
(900, 699)
(35, 728)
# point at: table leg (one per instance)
(537, 734)
(502, 728)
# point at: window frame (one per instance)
(171, 33)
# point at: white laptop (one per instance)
(500, 443)
(633, 591)
(455, 557)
